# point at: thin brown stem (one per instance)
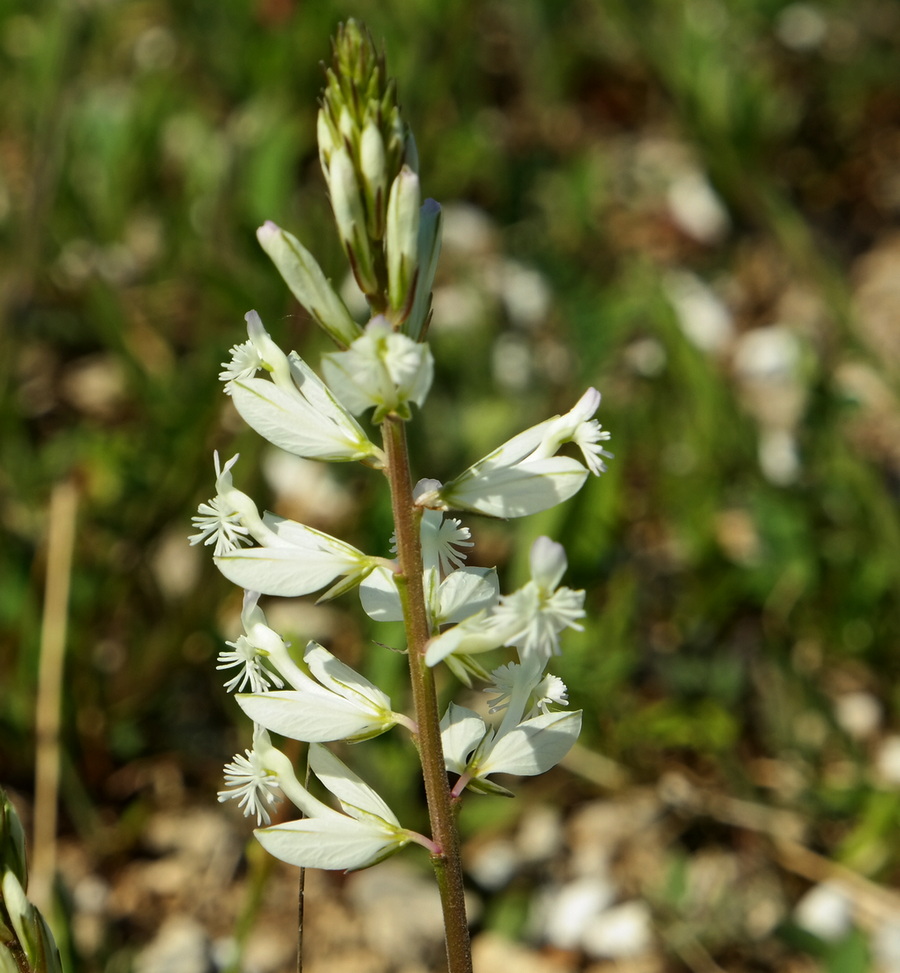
(447, 862)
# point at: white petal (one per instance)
(470, 636)
(360, 381)
(467, 591)
(323, 400)
(329, 843)
(534, 746)
(293, 533)
(313, 715)
(293, 424)
(548, 563)
(354, 794)
(514, 450)
(341, 679)
(515, 491)
(379, 597)
(411, 367)
(283, 571)
(461, 731)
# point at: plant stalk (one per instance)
(447, 862)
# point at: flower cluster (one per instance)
(383, 370)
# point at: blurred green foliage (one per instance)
(729, 608)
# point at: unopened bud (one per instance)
(411, 152)
(429, 250)
(308, 283)
(374, 173)
(402, 238)
(12, 840)
(346, 125)
(327, 137)
(350, 217)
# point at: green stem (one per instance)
(447, 863)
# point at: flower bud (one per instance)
(402, 238)
(328, 138)
(429, 250)
(384, 369)
(350, 217)
(374, 178)
(411, 152)
(346, 126)
(308, 284)
(12, 840)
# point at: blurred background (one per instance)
(691, 204)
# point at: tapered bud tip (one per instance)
(267, 231)
(256, 330)
(431, 207)
(588, 404)
(548, 562)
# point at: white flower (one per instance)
(518, 746)
(247, 658)
(533, 617)
(366, 833)
(292, 559)
(530, 748)
(296, 560)
(295, 410)
(524, 475)
(441, 538)
(245, 363)
(250, 650)
(224, 519)
(551, 690)
(475, 751)
(248, 782)
(384, 369)
(341, 705)
(462, 592)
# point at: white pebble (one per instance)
(621, 932)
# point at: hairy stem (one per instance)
(446, 860)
